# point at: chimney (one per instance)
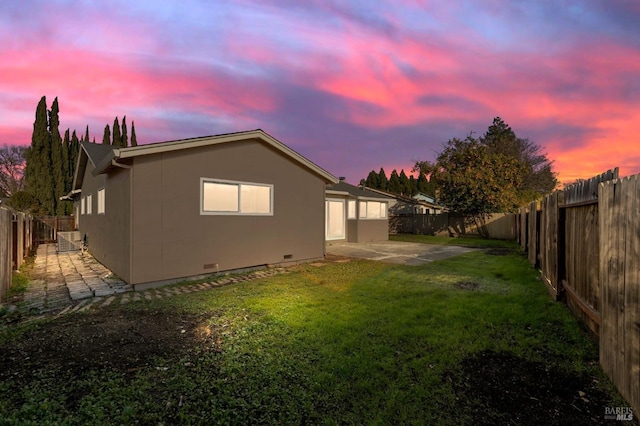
(342, 178)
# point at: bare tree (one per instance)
(12, 163)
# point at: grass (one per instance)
(358, 342)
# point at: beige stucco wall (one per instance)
(170, 239)
(372, 230)
(108, 233)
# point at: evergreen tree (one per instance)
(372, 180)
(134, 140)
(67, 143)
(117, 136)
(74, 150)
(66, 159)
(58, 170)
(413, 186)
(394, 185)
(106, 138)
(86, 134)
(38, 168)
(125, 137)
(405, 184)
(423, 185)
(383, 182)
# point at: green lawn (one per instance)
(345, 343)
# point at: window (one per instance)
(373, 210)
(101, 201)
(235, 198)
(351, 214)
(83, 203)
(89, 203)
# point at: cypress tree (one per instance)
(74, 150)
(372, 180)
(58, 170)
(383, 182)
(117, 137)
(106, 138)
(38, 168)
(394, 185)
(405, 184)
(134, 140)
(413, 186)
(423, 183)
(86, 134)
(125, 137)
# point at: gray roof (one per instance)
(355, 191)
(104, 157)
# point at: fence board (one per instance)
(549, 243)
(6, 227)
(582, 253)
(620, 285)
(532, 235)
(523, 228)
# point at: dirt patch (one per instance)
(466, 285)
(121, 340)
(501, 388)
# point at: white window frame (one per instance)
(378, 210)
(239, 185)
(101, 200)
(89, 204)
(351, 209)
(83, 208)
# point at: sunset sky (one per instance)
(352, 85)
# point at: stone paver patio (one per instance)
(59, 279)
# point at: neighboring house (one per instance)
(161, 212)
(355, 215)
(402, 204)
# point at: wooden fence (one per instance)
(16, 241)
(47, 228)
(586, 242)
(497, 226)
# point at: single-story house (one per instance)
(355, 215)
(402, 204)
(162, 212)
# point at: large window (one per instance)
(373, 210)
(101, 201)
(222, 197)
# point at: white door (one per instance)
(334, 213)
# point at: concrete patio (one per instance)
(396, 251)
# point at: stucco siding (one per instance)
(373, 230)
(171, 239)
(108, 233)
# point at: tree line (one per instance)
(398, 183)
(36, 177)
(497, 172)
